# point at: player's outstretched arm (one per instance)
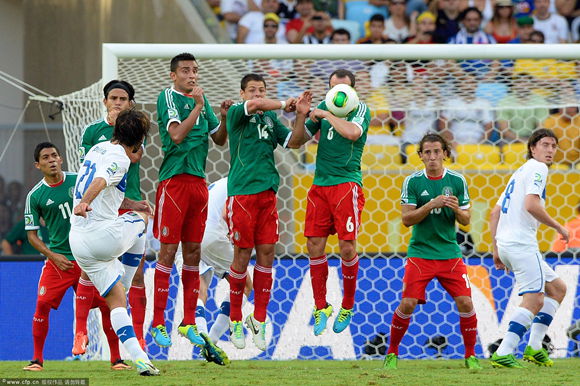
(220, 137)
(91, 193)
(59, 260)
(533, 204)
(346, 129)
(493, 221)
(178, 131)
(263, 104)
(299, 136)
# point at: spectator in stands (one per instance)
(447, 24)
(566, 125)
(233, 10)
(523, 8)
(376, 30)
(271, 26)
(537, 37)
(525, 26)
(5, 220)
(521, 111)
(15, 200)
(575, 30)
(398, 26)
(15, 242)
(470, 31)
(251, 25)
(573, 227)
(466, 119)
(416, 7)
(554, 26)
(503, 25)
(287, 11)
(486, 7)
(322, 29)
(340, 36)
(333, 7)
(569, 9)
(298, 27)
(425, 29)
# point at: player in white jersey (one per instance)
(513, 225)
(99, 236)
(217, 254)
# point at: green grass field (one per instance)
(410, 372)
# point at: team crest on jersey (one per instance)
(447, 191)
(269, 122)
(237, 236)
(42, 290)
(28, 220)
(113, 168)
(164, 231)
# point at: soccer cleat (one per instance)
(80, 343)
(146, 369)
(508, 361)
(320, 318)
(213, 353)
(120, 365)
(539, 357)
(34, 365)
(190, 332)
(342, 320)
(258, 330)
(160, 336)
(390, 362)
(472, 363)
(237, 336)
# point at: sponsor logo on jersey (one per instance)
(187, 107)
(424, 193)
(102, 138)
(172, 113)
(112, 169)
(253, 120)
(81, 153)
(49, 202)
(537, 179)
(70, 191)
(42, 290)
(28, 220)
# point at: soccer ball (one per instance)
(341, 100)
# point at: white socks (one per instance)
(542, 322)
(518, 326)
(124, 328)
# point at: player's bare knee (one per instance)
(464, 304)
(347, 250)
(533, 302)
(407, 305)
(315, 246)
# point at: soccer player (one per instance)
(50, 199)
(335, 201)
(99, 235)
(513, 225)
(119, 95)
(254, 132)
(185, 119)
(432, 200)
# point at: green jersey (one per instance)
(190, 155)
(253, 138)
(338, 159)
(54, 205)
(18, 235)
(434, 238)
(100, 131)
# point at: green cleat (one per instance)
(472, 363)
(538, 357)
(321, 318)
(213, 353)
(508, 361)
(390, 362)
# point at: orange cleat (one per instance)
(34, 365)
(119, 365)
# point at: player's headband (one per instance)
(122, 86)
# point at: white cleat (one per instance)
(146, 368)
(258, 330)
(237, 336)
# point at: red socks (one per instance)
(262, 287)
(237, 283)
(399, 327)
(161, 280)
(349, 276)
(318, 276)
(138, 303)
(40, 329)
(83, 304)
(468, 326)
(190, 280)
(112, 337)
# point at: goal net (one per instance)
(486, 99)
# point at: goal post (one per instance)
(408, 88)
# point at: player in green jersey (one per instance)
(336, 201)
(432, 200)
(254, 132)
(119, 96)
(186, 121)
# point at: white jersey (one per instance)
(218, 194)
(110, 162)
(516, 225)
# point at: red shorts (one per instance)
(54, 282)
(334, 209)
(180, 209)
(452, 274)
(253, 219)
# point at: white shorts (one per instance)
(528, 266)
(217, 252)
(97, 249)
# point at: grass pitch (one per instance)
(410, 372)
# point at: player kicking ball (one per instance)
(99, 236)
(513, 225)
(432, 200)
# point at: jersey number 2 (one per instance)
(506, 200)
(86, 179)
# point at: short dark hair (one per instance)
(251, 77)
(179, 58)
(41, 146)
(434, 137)
(131, 128)
(123, 85)
(538, 33)
(536, 136)
(377, 17)
(463, 14)
(340, 31)
(342, 73)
